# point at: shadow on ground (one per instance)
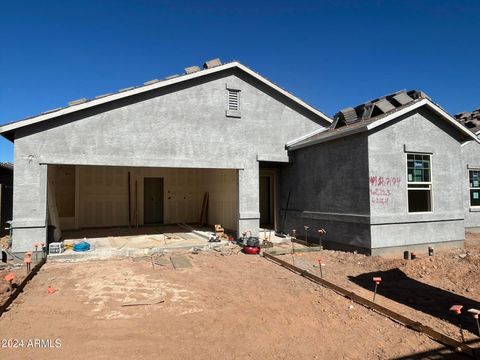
(436, 354)
(397, 286)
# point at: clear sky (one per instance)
(331, 54)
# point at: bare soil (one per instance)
(225, 307)
(423, 289)
(19, 274)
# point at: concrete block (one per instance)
(150, 82)
(103, 95)
(77, 102)
(126, 89)
(192, 69)
(212, 63)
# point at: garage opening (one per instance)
(112, 202)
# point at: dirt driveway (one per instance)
(225, 307)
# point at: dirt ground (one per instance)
(19, 274)
(423, 289)
(225, 307)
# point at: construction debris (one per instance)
(141, 303)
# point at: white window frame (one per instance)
(428, 185)
(470, 187)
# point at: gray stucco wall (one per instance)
(392, 225)
(356, 188)
(180, 126)
(328, 186)
(471, 160)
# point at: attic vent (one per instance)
(233, 103)
(233, 100)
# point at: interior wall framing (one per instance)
(97, 196)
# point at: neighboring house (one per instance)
(148, 155)
(471, 169)
(383, 179)
(6, 195)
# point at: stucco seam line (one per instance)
(440, 243)
(339, 217)
(373, 223)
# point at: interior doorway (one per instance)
(153, 201)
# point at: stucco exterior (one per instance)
(179, 126)
(392, 226)
(356, 187)
(326, 186)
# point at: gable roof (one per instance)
(470, 119)
(370, 115)
(210, 67)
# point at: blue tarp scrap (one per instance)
(81, 246)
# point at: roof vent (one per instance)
(192, 69)
(212, 63)
(172, 76)
(77, 102)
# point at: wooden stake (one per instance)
(136, 204)
(204, 212)
(129, 202)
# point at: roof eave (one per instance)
(424, 102)
(328, 137)
(431, 105)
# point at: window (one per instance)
(233, 103)
(474, 187)
(419, 182)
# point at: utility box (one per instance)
(56, 248)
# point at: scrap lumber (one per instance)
(204, 212)
(146, 302)
(129, 202)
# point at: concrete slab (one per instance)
(181, 262)
(124, 242)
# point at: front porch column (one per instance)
(248, 198)
(29, 204)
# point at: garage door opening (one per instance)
(115, 202)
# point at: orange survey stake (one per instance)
(9, 277)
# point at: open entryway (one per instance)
(266, 201)
(153, 200)
(268, 197)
